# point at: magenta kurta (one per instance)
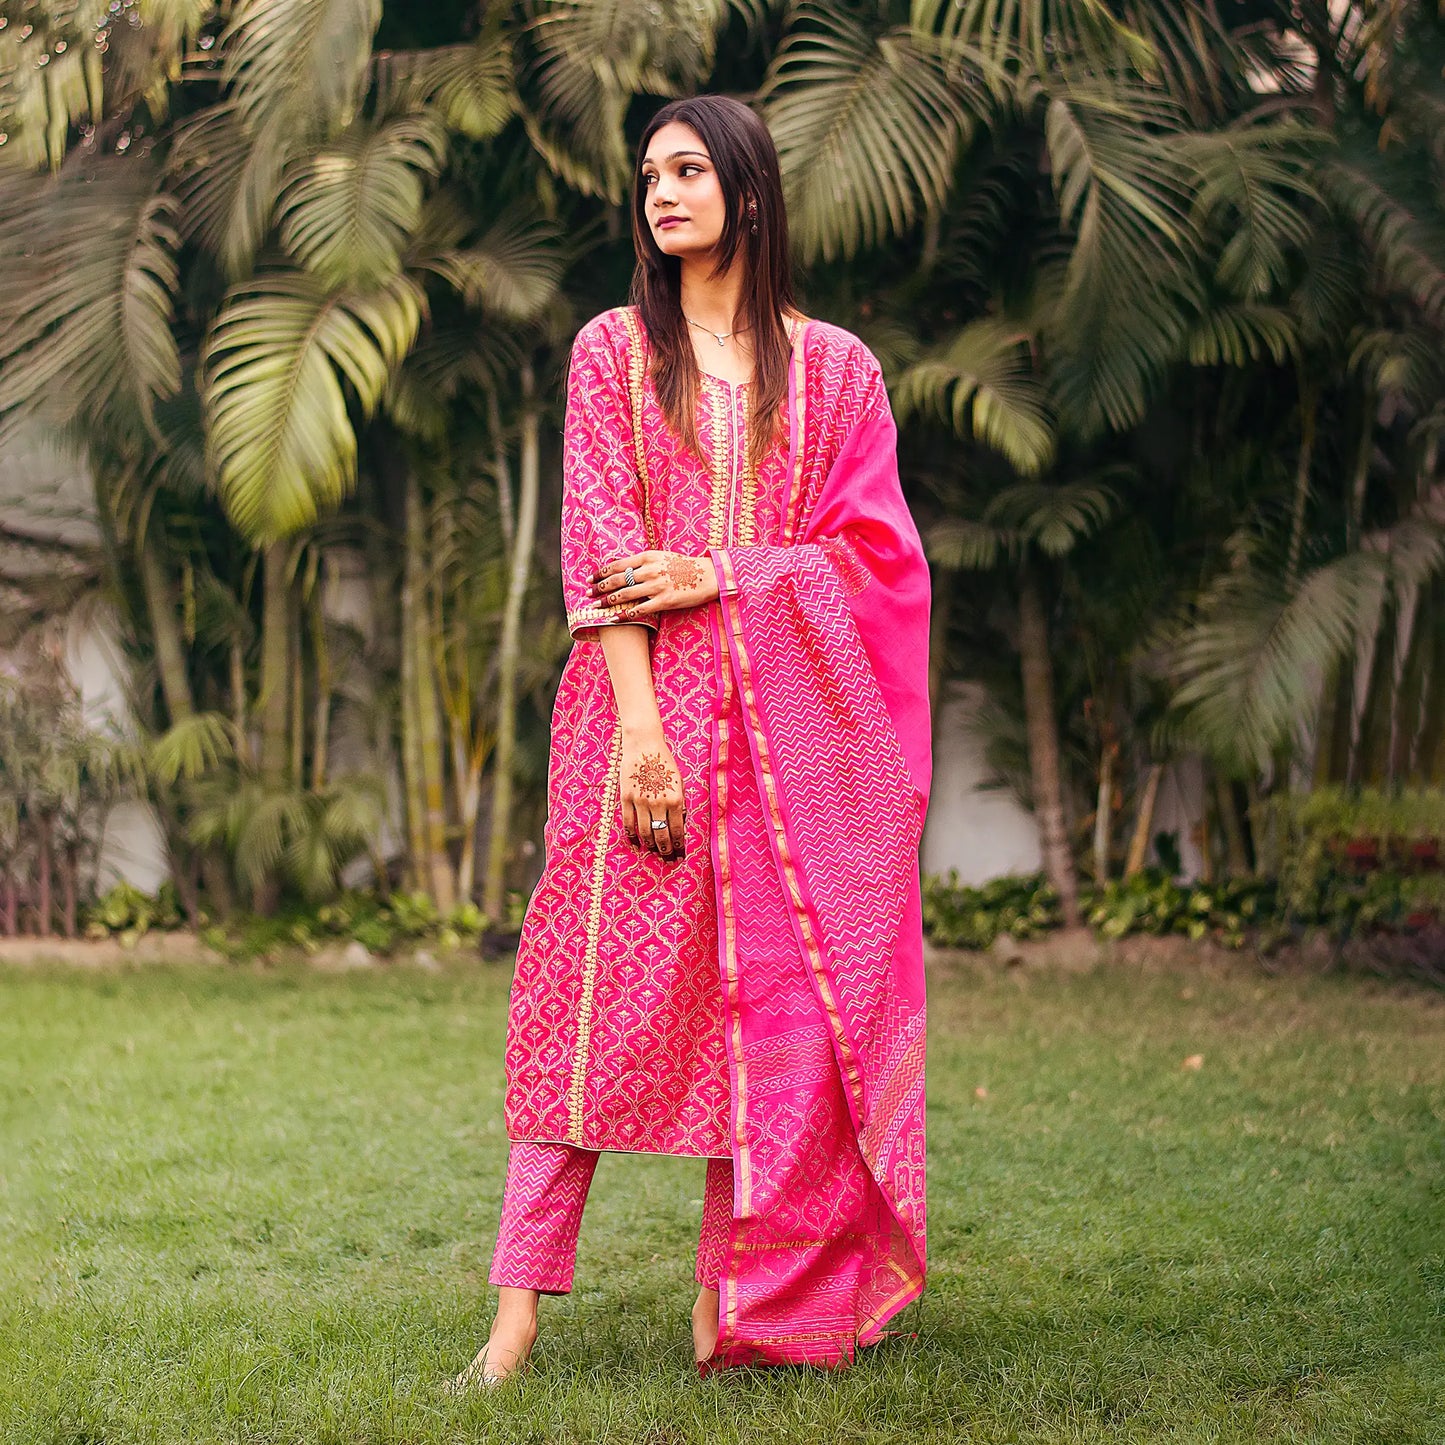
(761, 997)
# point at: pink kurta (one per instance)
(761, 997)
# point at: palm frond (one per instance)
(305, 60)
(279, 436)
(982, 381)
(589, 58)
(513, 269)
(968, 545)
(469, 86)
(63, 66)
(87, 282)
(1237, 333)
(1041, 32)
(38, 106)
(193, 747)
(349, 209)
(1407, 247)
(662, 48)
(1404, 361)
(1255, 191)
(1261, 648)
(867, 128)
(1054, 518)
(227, 176)
(1123, 174)
(449, 353)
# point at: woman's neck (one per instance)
(711, 301)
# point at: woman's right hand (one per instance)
(650, 788)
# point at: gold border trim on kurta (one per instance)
(794, 501)
(583, 1050)
(636, 358)
(748, 505)
(720, 467)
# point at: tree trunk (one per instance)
(1144, 824)
(1303, 467)
(501, 470)
(165, 632)
(1045, 766)
(239, 719)
(945, 580)
(1336, 725)
(1372, 760)
(1407, 739)
(44, 904)
(470, 812)
(523, 545)
(10, 911)
(434, 865)
(321, 718)
(274, 699)
(1104, 810)
(1236, 850)
(296, 729)
(412, 783)
(69, 890)
(1431, 766)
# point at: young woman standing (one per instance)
(723, 956)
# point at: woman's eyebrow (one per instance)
(648, 160)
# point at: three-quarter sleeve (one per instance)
(602, 502)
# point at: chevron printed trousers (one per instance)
(542, 1205)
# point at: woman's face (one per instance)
(684, 205)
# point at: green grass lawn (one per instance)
(257, 1206)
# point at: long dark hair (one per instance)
(746, 161)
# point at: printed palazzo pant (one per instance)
(542, 1205)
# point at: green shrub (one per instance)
(126, 910)
(958, 916)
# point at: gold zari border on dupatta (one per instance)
(731, 984)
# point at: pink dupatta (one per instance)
(823, 766)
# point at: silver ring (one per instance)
(629, 578)
(659, 822)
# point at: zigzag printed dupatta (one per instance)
(823, 772)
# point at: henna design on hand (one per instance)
(685, 573)
(652, 775)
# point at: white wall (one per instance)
(983, 833)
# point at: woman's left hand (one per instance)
(662, 582)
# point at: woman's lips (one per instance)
(667, 222)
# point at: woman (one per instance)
(723, 956)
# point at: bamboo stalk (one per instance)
(1144, 823)
(164, 613)
(436, 871)
(524, 542)
(1045, 763)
